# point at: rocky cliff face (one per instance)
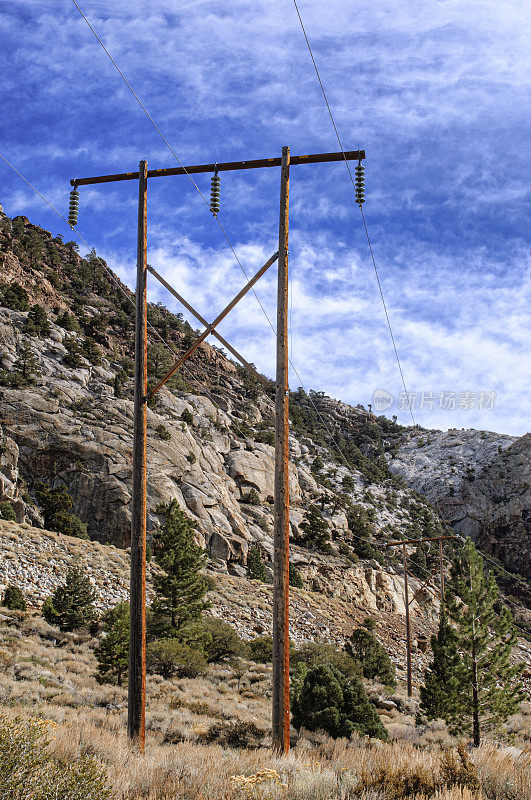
(479, 482)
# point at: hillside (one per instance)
(66, 419)
(207, 736)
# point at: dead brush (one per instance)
(458, 770)
(396, 771)
(504, 772)
(455, 793)
(250, 786)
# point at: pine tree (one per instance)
(14, 599)
(26, 363)
(37, 323)
(256, 569)
(315, 531)
(375, 662)
(68, 322)
(484, 686)
(71, 605)
(56, 506)
(13, 295)
(112, 652)
(24, 369)
(441, 694)
(7, 511)
(295, 578)
(180, 589)
(417, 561)
(158, 363)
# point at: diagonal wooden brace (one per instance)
(203, 321)
(211, 327)
(424, 585)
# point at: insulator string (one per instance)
(73, 208)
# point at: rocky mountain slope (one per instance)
(479, 482)
(338, 599)
(66, 419)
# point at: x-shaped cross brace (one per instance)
(210, 329)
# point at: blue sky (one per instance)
(436, 92)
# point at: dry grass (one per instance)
(52, 675)
(312, 771)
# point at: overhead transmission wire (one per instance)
(122, 289)
(338, 137)
(380, 288)
(174, 154)
(172, 151)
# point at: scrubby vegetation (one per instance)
(208, 715)
(29, 771)
(207, 722)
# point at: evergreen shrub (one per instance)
(329, 701)
(14, 599)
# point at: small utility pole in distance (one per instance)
(407, 601)
(137, 664)
(137, 639)
(441, 570)
(408, 627)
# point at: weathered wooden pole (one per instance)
(137, 640)
(408, 628)
(281, 715)
(441, 566)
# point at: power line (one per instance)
(153, 330)
(150, 326)
(143, 107)
(496, 563)
(361, 209)
(172, 151)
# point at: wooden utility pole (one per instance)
(441, 568)
(281, 715)
(408, 628)
(137, 640)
